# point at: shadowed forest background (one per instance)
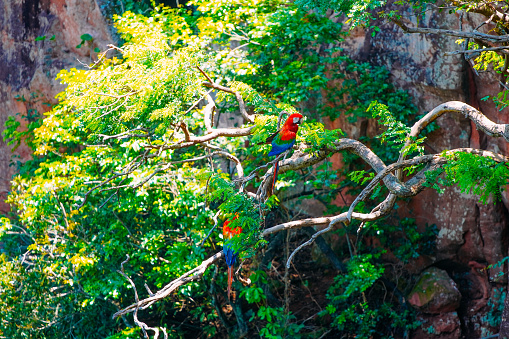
(133, 129)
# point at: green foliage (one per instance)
(473, 174)
(238, 204)
(70, 283)
(402, 238)
(361, 177)
(491, 60)
(85, 38)
(13, 134)
(112, 7)
(362, 84)
(363, 12)
(358, 12)
(495, 309)
(284, 51)
(278, 323)
(352, 313)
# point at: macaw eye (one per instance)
(296, 120)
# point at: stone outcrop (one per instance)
(28, 66)
(435, 292)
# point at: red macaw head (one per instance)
(294, 119)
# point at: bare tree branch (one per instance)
(144, 327)
(468, 51)
(397, 187)
(449, 32)
(192, 275)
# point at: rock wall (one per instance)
(28, 67)
(472, 235)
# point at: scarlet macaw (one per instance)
(284, 139)
(229, 254)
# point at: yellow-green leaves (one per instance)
(144, 36)
(315, 135)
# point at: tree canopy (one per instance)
(160, 140)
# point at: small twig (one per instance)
(183, 127)
(205, 74)
(307, 288)
(216, 222)
(197, 102)
(477, 50)
(490, 19)
(286, 278)
(117, 96)
(148, 290)
(126, 134)
(310, 241)
(63, 211)
(115, 47)
(239, 276)
(280, 117)
(238, 96)
(144, 327)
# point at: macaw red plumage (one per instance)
(284, 139)
(229, 254)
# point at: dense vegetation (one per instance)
(150, 149)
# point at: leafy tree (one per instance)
(137, 166)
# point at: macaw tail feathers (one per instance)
(276, 169)
(230, 280)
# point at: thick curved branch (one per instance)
(480, 120)
(300, 160)
(384, 173)
(416, 183)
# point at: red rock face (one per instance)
(446, 325)
(28, 66)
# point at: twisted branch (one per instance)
(397, 187)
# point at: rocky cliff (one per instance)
(29, 65)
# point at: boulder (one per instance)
(435, 292)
